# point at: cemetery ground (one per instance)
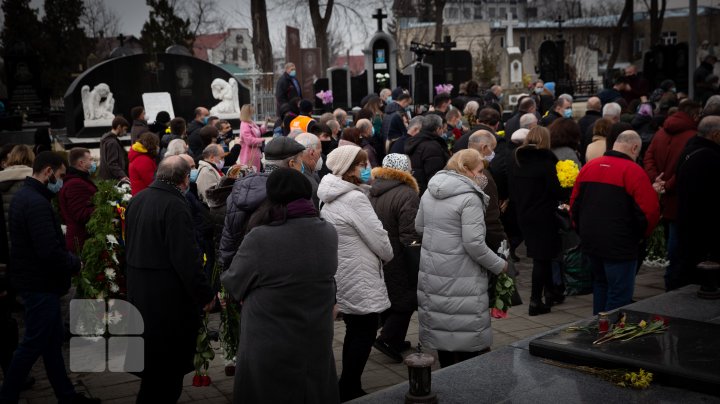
(380, 372)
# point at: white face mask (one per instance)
(490, 157)
(319, 164)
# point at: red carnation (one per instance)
(197, 381)
(206, 380)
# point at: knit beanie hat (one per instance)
(397, 161)
(340, 159)
(285, 185)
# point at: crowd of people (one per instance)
(366, 215)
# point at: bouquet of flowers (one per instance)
(626, 331)
(621, 377)
(567, 172)
(501, 289)
(443, 88)
(103, 273)
(325, 96)
(204, 354)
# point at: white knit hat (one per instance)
(519, 135)
(340, 159)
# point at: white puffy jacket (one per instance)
(453, 312)
(363, 246)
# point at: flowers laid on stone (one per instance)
(621, 377)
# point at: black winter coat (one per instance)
(551, 116)
(286, 91)
(247, 194)
(394, 197)
(39, 261)
(698, 185)
(536, 192)
(428, 154)
(288, 293)
(165, 279)
(500, 165)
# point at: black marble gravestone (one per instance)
(549, 62)
(450, 67)
(420, 87)
(340, 87)
(686, 355)
(187, 79)
(667, 62)
(358, 88)
(26, 95)
(321, 85)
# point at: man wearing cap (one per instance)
(249, 192)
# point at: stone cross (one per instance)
(560, 22)
(510, 23)
(121, 38)
(379, 16)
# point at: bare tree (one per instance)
(657, 15)
(204, 16)
(262, 48)
(617, 34)
(98, 20)
(320, 25)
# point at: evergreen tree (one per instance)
(21, 28)
(163, 28)
(65, 44)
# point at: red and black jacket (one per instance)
(613, 206)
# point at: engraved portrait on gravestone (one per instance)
(184, 76)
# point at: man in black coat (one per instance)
(40, 270)
(526, 105)
(592, 114)
(698, 198)
(194, 139)
(557, 111)
(428, 151)
(288, 87)
(165, 280)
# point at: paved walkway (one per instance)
(380, 372)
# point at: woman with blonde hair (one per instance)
(469, 118)
(250, 138)
(453, 304)
(535, 190)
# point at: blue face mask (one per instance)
(538, 90)
(292, 73)
(373, 131)
(302, 168)
(194, 174)
(205, 120)
(55, 187)
(93, 168)
(567, 113)
(389, 99)
(458, 125)
(365, 175)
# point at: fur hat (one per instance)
(397, 161)
(340, 159)
(285, 185)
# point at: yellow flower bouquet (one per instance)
(567, 172)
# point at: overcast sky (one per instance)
(134, 13)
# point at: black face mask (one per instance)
(326, 147)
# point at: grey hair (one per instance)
(482, 136)
(708, 126)
(212, 150)
(611, 110)
(173, 169)
(417, 121)
(363, 124)
(333, 124)
(567, 97)
(432, 122)
(471, 107)
(176, 147)
(629, 137)
(527, 119)
(712, 106)
(308, 140)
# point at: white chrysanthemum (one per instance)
(111, 239)
(114, 316)
(114, 287)
(126, 197)
(110, 273)
(114, 258)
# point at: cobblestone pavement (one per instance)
(380, 371)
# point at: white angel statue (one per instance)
(98, 103)
(227, 93)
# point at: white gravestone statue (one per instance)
(227, 93)
(98, 105)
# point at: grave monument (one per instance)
(381, 58)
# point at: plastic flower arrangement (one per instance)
(443, 88)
